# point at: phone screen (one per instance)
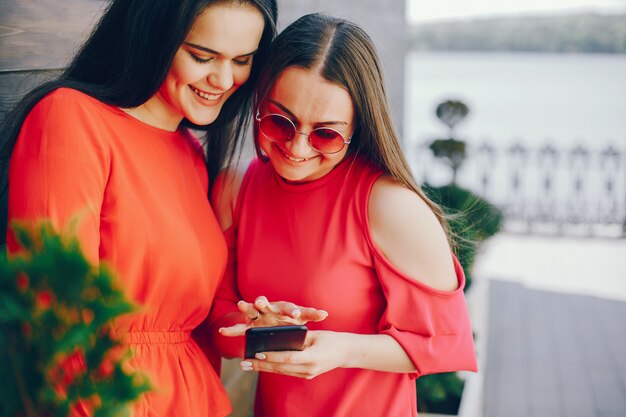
(276, 338)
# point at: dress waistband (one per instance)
(153, 337)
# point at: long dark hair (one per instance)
(345, 55)
(124, 62)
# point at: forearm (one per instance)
(378, 352)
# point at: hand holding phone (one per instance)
(275, 338)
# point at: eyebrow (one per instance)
(211, 51)
(290, 113)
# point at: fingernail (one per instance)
(246, 364)
(296, 313)
(260, 356)
(324, 312)
(239, 302)
(220, 330)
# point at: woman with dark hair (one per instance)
(330, 216)
(107, 143)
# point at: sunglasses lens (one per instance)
(326, 140)
(277, 128)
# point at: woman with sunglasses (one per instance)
(108, 143)
(329, 225)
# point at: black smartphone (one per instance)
(276, 338)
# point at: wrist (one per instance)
(349, 348)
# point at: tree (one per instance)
(451, 150)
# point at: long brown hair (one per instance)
(344, 54)
(124, 68)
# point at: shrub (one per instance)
(472, 220)
(56, 354)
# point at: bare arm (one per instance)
(408, 234)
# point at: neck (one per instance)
(154, 113)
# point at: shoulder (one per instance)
(409, 235)
(64, 123)
(69, 97)
(65, 105)
(226, 191)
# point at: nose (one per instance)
(221, 76)
(299, 145)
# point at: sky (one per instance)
(426, 10)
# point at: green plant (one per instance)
(452, 151)
(56, 353)
(439, 393)
(451, 113)
(472, 220)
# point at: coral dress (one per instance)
(140, 195)
(310, 244)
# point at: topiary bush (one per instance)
(439, 393)
(472, 220)
(57, 357)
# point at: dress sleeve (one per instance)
(432, 326)
(59, 169)
(224, 312)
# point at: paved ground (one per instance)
(554, 355)
(556, 342)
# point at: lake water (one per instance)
(561, 98)
(531, 99)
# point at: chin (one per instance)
(202, 121)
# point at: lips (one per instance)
(204, 95)
(291, 158)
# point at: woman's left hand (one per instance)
(323, 351)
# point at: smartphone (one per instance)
(276, 338)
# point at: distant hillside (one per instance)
(588, 33)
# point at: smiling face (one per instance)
(214, 60)
(310, 102)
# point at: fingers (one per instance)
(264, 306)
(284, 308)
(312, 314)
(236, 330)
(285, 363)
(249, 310)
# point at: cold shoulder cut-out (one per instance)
(310, 244)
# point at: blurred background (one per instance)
(511, 112)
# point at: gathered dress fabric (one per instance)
(310, 244)
(139, 197)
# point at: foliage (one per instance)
(581, 33)
(440, 393)
(451, 113)
(56, 353)
(472, 219)
(450, 150)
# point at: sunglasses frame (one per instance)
(258, 118)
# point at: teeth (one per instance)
(291, 158)
(204, 95)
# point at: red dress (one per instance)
(140, 194)
(310, 244)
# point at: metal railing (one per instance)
(543, 190)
